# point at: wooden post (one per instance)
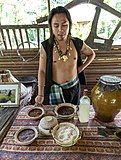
(48, 2)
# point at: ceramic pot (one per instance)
(106, 98)
(46, 124)
(65, 110)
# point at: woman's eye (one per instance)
(56, 26)
(64, 25)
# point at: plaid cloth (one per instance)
(56, 95)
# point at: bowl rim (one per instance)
(36, 117)
(26, 142)
(67, 105)
(66, 143)
(44, 131)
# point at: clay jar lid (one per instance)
(110, 79)
(46, 124)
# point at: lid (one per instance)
(48, 122)
(110, 79)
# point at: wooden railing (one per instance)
(22, 36)
(23, 61)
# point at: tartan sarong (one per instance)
(56, 95)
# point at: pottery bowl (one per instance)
(35, 112)
(65, 110)
(26, 135)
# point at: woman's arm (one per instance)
(90, 55)
(41, 76)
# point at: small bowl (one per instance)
(46, 124)
(35, 112)
(65, 110)
(26, 135)
(66, 134)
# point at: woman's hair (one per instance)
(57, 10)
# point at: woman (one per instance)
(60, 65)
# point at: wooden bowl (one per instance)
(26, 135)
(65, 111)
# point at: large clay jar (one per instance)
(106, 98)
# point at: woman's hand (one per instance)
(39, 99)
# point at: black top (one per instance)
(48, 47)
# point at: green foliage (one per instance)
(19, 12)
(118, 6)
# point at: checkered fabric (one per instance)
(56, 95)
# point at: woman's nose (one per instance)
(60, 28)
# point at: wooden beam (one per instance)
(98, 3)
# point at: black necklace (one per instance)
(63, 56)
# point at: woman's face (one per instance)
(60, 26)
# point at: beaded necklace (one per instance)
(63, 56)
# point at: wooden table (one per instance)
(8, 114)
(91, 146)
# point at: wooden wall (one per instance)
(26, 64)
(106, 62)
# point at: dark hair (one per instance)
(57, 10)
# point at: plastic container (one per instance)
(84, 107)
